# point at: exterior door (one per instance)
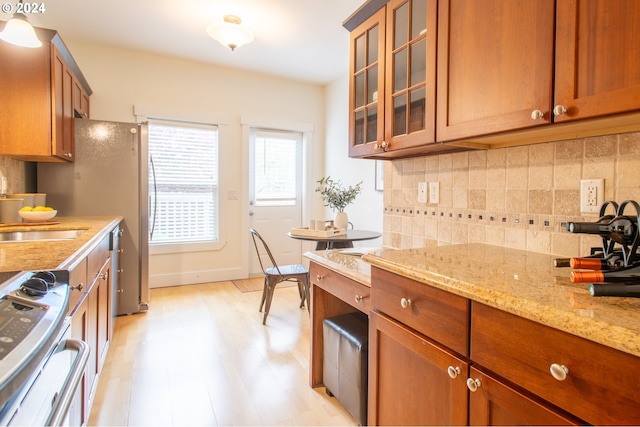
(275, 194)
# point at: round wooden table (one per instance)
(341, 241)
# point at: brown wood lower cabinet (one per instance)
(410, 378)
(494, 403)
(91, 320)
(516, 371)
(591, 381)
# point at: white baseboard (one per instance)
(193, 277)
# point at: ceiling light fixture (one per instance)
(18, 31)
(230, 32)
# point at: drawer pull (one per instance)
(359, 298)
(319, 277)
(558, 371)
(473, 385)
(78, 287)
(453, 371)
(405, 302)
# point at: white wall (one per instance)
(122, 79)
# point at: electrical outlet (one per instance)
(434, 192)
(422, 192)
(591, 195)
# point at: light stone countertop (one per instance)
(523, 283)
(351, 266)
(54, 254)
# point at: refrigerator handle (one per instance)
(155, 196)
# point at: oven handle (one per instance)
(65, 397)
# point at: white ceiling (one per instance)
(298, 39)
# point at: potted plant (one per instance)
(337, 198)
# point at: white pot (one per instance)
(341, 220)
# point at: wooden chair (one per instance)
(275, 274)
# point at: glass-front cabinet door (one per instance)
(392, 79)
(410, 73)
(366, 98)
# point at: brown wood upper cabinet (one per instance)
(496, 62)
(392, 81)
(43, 90)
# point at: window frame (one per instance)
(259, 132)
(143, 114)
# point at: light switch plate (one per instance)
(422, 192)
(434, 192)
(591, 195)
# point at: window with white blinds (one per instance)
(183, 182)
(276, 181)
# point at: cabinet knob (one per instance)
(405, 302)
(319, 277)
(473, 385)
(78, 287)
(359, 298)
(537, 114)
(69, 155)
(104, 276)
(453, 371)
(559, 110)
(384, 145)
(559, 371)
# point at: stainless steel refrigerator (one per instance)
(109, 176)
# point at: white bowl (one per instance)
(37, 215)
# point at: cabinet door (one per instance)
(80, 100)
(494, 403)
(62, 101)
(410, 73)
(495, 66)
(409, 382)
(103, 312)
(597, 58)
(79, 411)
(92, 338)
(25, 85)
(366, 86)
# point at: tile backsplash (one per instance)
(517, 197)
(17, 174)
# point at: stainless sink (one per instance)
(39, 235)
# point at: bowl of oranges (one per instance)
(37, 214)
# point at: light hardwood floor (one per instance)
(201, 356)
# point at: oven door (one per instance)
(47, 400)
